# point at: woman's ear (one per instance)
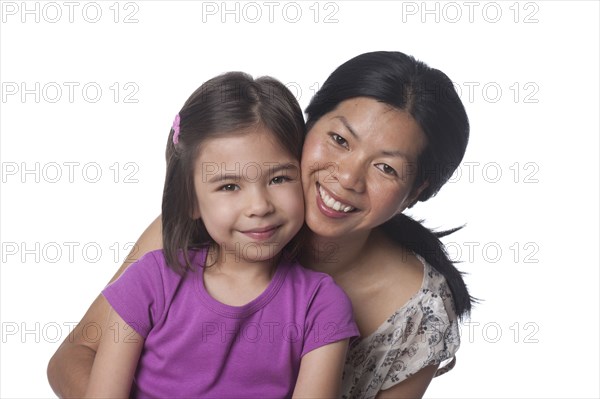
(413, 198)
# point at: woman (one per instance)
(384, 132)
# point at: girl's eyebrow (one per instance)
(273, 168)
(223, 177)
(279, 167)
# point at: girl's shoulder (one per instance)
(152, 268)
(299, 273)
(313, 284)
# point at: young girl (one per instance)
(224, 310)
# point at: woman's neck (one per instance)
(334, 256)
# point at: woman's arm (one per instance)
(412, 387)
(70, 367)
(116, 360)
(321, 370)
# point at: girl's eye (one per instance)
(387, 169)
(230, 187)
(339, 140)
(280, 180)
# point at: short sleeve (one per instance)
(428, 335)
(138, 294)
(329, 316)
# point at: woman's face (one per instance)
(358, 167)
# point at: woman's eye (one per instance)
(280, 180)
(387, 169)
(339, 140)
(230, 187)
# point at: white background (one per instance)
(528, 190)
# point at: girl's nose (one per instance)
(259, 204)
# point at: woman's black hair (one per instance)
(428, 95)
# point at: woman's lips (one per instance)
(330, 206)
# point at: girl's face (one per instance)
(249, 194)
(358, 167)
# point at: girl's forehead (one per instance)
(253, 156)
(258, 143)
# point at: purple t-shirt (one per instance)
(196, 346)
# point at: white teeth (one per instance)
(332, 203)
(337, 206)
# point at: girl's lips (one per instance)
(261, 233)
(328, 211)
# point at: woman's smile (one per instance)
(353, 167)
(330, 202)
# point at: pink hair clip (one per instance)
(176, 129)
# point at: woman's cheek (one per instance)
(312, 147)
(293, 200)
(317, 158)
(392, 197)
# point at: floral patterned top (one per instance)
(422, 332)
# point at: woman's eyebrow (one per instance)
(395, 154)
(347, 125)
(385, 152)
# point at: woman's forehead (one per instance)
(373, 122)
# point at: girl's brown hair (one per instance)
(225, 104)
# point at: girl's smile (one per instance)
(261, 233)
(250, 199)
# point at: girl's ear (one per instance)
(196, 212)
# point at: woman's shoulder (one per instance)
(421, 332)
(433, 299)
(415, 294)
(435, 289)
(417, 283)
(396, 277)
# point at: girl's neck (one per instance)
(235, 282)
(235, 266)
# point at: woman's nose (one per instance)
(350, 173)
